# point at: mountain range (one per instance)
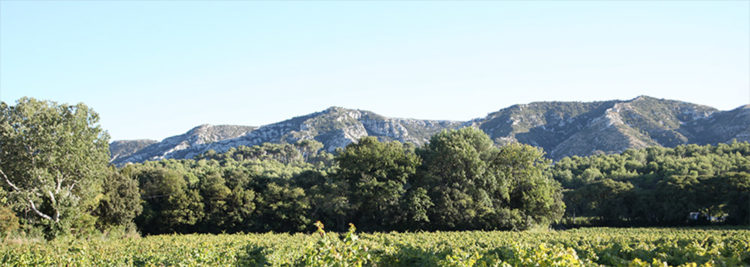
(560, 128)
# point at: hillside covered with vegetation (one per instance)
(57, 181)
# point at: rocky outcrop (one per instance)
(560, 128)
(124, 148)
(179, 146)
(335, 127)
(722, 127)
(577, 128)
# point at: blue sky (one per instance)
(154, 69)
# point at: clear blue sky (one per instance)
(154, 69)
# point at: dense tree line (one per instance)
(660, 186)
(459, 181)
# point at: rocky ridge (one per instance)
(124, 148)
(560, 128)
(179, 146)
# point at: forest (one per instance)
(659, 186)
(57, 180)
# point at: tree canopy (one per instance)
(660, 186)
(52, 161)
(461, 180)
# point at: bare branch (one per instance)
(59, 183)
(52, 197)
(9, 182)
(33, 207)
(72, 185)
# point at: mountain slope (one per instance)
(576, 128)
(175, 146)
(722, 127)
(124, 148)
(335, 127)
(560, 128)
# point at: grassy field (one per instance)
(578, 247)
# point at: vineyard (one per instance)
(578, 247)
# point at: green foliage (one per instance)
(459, 180)
(169, 204)
(465, 182)
(121, 202)
(283, 208)
(377, 175)
(660, 186)
(56, 179)
(415, 207)
(458, 174)
(53, 158)
(8, 221)
(475, 185)
(298, 152)
(263, 188)
(737, 187)
(216, 200)
(329, 250)
(580, 247)
(537, 198)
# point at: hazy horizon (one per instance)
(157, 69)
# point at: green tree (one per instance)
(121, 201)
(53, 158)
(475, 185)
(216, 197)
(377, 175)
(169, 205)
(309, 148)
(415, 206)
(240, 208)
(610, 199)
(737, 195)
(8, 219)
(531, 193)
(459, 178)
(284, 208)
(328, 198)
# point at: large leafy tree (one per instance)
(377, 174)
(282, 207)
(120, 202)
(738, 194)
(533, 198)
(217, 198)
(170, 205)
(53, 158)
(476, 185)
(459, 178)
(608, 198)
